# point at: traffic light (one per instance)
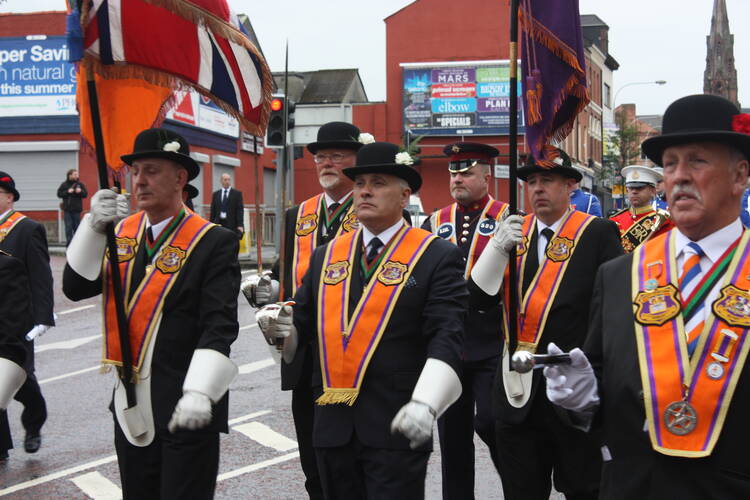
(275, 132)
(290, 107)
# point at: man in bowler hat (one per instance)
(664, 371)
(387, 342)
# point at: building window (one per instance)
(607, 96)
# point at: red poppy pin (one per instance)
(741, 123)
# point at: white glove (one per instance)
(193, 411)
(414, 420)
(108, 206)
(276, 322)
(509, 234)
(260, 290)
(572, 386)
(37, 331)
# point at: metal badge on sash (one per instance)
(350, 223)
(445, 230)
(125, 249)
(487, 227)
(680, 418)
(3, 233)
(392, 273)
(657, 306)
(170, 259)
(523, 246)
(559, 249)
(307, 224)
(733, 306)
(336, 272)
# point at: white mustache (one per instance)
(686, 189)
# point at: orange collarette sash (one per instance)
(145, 306)
(537, 303)
(444, 226)
(305, 231)
(10, 222)
(687, 397)
(347, 344)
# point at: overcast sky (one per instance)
(651, 39)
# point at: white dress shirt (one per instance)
(330, 201)
(384, 236)
(5, 213)
(157, 228)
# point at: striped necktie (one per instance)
(689, 279)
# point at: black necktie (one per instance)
(375, 245)
(150, 235)
(224, 196)
(547, 233)
(332, 208)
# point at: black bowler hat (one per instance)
(563, 166)
(385, 158)
(465, 155)
(7, 182)
(700, 118)
(336, 135)
(163, 143)
(191, 191)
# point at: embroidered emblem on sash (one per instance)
(125, 249)
(733, 306)
(3, 233)
(523, 246)
(657, 306)
(307, 224)
(336, 273)
(350, 223)
(560, 249)
(392, 273)
(170, 259)
(445, 230)
(487, 227)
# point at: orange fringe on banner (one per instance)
(534, 103)
(544, 36)
(126, 107)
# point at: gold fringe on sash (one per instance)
(336, 396)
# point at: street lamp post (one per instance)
(614, 111)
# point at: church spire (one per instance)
(720, 77)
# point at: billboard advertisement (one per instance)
(36, 78)
(199, 111)
(458, 99)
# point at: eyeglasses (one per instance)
(335, 158)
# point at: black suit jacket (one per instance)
(636, 470)
(427, 322)
(15, 309)
(567, 322)
(28, 243)
(234, 210)
(483, 337)
(200, 312)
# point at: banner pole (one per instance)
(513, 176)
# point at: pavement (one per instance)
(259, 456)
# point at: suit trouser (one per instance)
(543, 445)
(457, 425)
(72, 220)
(34, 412)
(303, 412)
(355, 471)
(174, 466)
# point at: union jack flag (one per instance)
(181, 43)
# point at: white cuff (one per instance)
(438, 386)
(489, 270)
(86, 250)
(12, 378)
(209, 373)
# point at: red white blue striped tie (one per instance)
(689, 279)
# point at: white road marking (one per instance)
(66, 375)
(97, 486)
(256, 365)
(249, 417)
(66, 344)
(246, 327)
(76, 309)
(250, 271)
(57, 475)
(258, 466)
(266, 436)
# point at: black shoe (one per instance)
(32, 443)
